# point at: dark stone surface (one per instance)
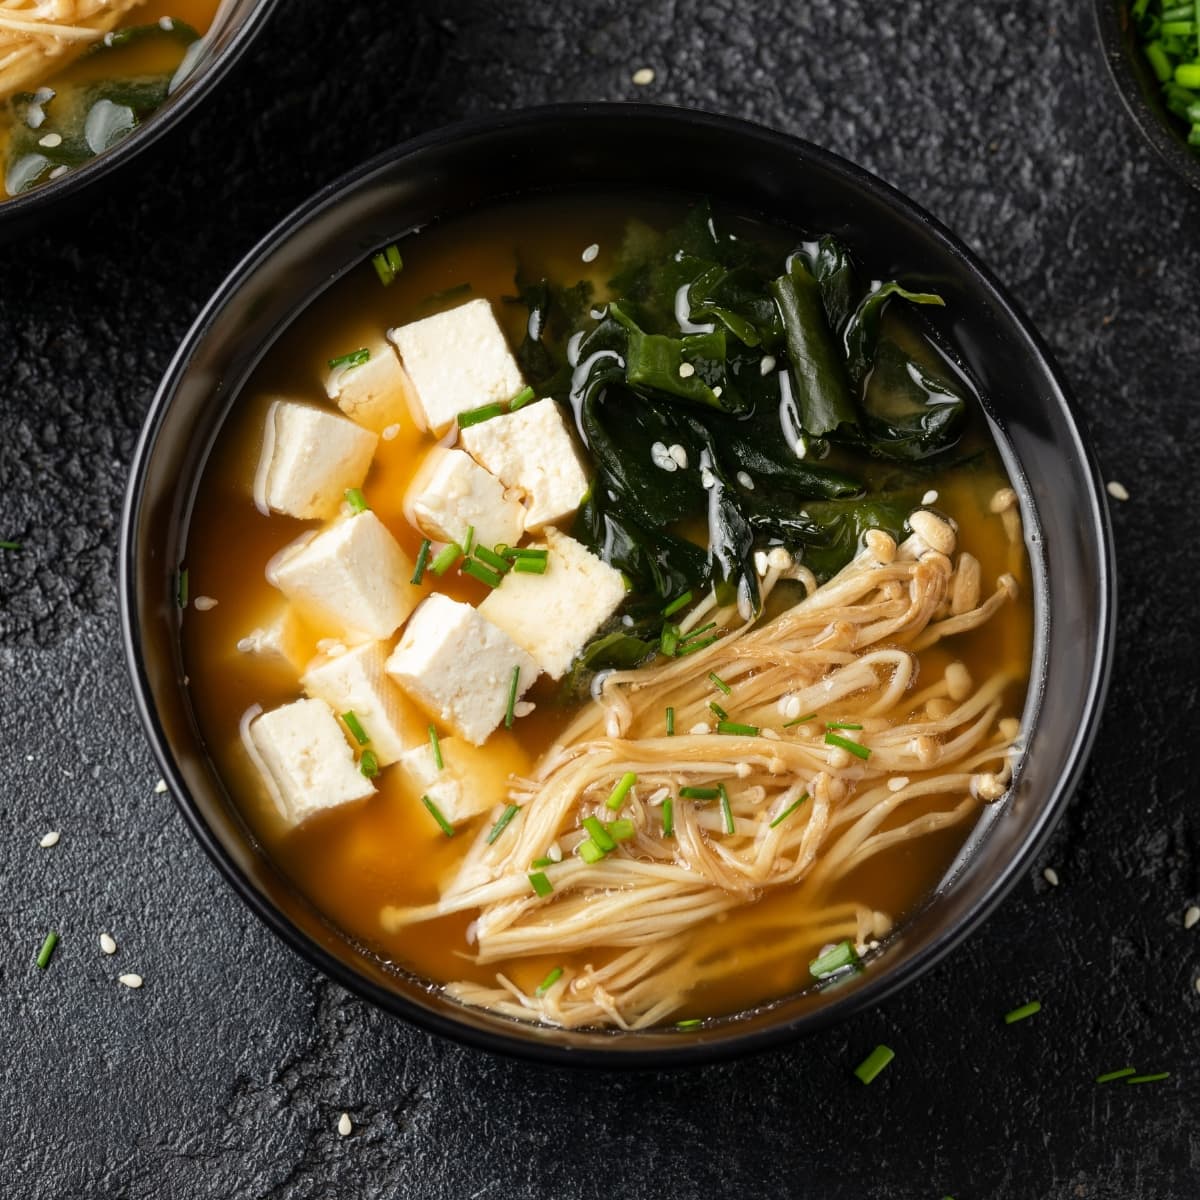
(225, 1074)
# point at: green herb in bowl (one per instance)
(1170, 38)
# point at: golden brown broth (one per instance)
(352, 861)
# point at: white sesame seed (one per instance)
(160, 786)
(1198, 983)
(627, 621)
(523, 708)
(707, 478)
(591, 253)
(766, 364)
(166, 24)
(1117, 491)
(57, 173)
(744, 479)
(204, 603)
(50, 140)
(897, 783)
(702, 727)
(662, 458)
(1050, 875)
(930, 497)
(1191, 917)
(643, 76)
(769, 733)
(344, 1125)
(718, 390)
(791, 709)
(679, 454)
(49, 839)
(686, 370)
(132, 980)
(107, 944)
(390, 433)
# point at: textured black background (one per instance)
(225, 1074)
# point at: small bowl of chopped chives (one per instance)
(1152, 48)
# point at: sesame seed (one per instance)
(1191, 917)
(204, 603)
(897, 783)
(390, 433)
(1117, 491)
(766, 364)
(523, 708)
(160, 786)
(50, 140)
(589, 255)
(744, 479)
(49, 839)
(930, 497)
(662, 458)
(643, 76)
(344, 1126)
(686, 370)
(679, 454)
(132, 980)
(718, 390)
(57, 173)
(107, 944)
(791, 708)
(166, 24)
(1050, 875)
(702, 727)
(1198, 983)
(707, 478)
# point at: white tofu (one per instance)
(305, 761)
(458, 667)
(457, 360)
(376, 394)
(553, 616)
(472, 780)
(534, 451)
(309, 458)
(282, 642)
(453, 492)
(352, 576)
(355, 682)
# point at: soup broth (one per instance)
(359, 861)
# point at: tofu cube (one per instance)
(304, 759)
(471, 780)
(376, 394)
(458, 667)
(453, 492)
(553, 616)
(355, 682)
(309, 458)
(533, 451)
(457, 360)
(352, 577)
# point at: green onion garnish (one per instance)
(549, 981)
(515, 552)
(676, 604)
(842, 725)
(422, 559)
(695, 633)
(787, 812)
(181, 588)
(510, 708)
(621, 831)
(874, 1063)
(10, 545)
(368, 764)
(356, 500)
(497, 562)
(718, 682)
(835, 959)
(469, 540)
(718, 711)
(539, 863)
(530, 566)
(437, 747)
(691, 647)
(699, 793)
(690, 1023)
(1109, 1076)
(621, 791)
(355, 358)
(799, 720)
(669, 639)
(600, 834)
(445, 558)
(668, 817)
(736, 730)
(1026, 1010)
(590, 852)
(476, 416)
(388, 264)
(1155, 1078)
(726, 810)
(436, 814)
(502, 824)
(477, 570)
(540, 884)
(522, 398)
(355, 726)
(855, 748)
(670, 721)
(43, 958)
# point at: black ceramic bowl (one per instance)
(237, 23)
(750, 169)
(1140, 90)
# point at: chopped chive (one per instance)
(435, 742)
(690, 1023)
(445, 558)
(477, 570)
(388, 264)
(355, 726)
(356, 500)
(621, 831)
(835, 959)
(355, 358)
(539, 863)
(692, 647)
(368, 764)
(436, 814)
(726, 810)
(621, 791)
(515, 552)
(855, 748)
(676, 604)
(422, 559)
(530, 566)
(1109, 1076)
(540, 884)
(522, 398)
(718, 682)
(502, 824)
(469, 540)
(1026, 1010)
(695, 633)
(10, 545)
(510, 708)
(590, 852)
(699, 793)
(181, 588)
(392, 254)
(870, 1066)
(842, 725)
(718, 711)
(787, 812)
(670, 721)
(668, 817)
(600, 834)
(497, 562)
(43, 958)
(1155, 1078)
(669, 640)
(551, 979)
(736, 730)
(476, 416)
(799, 720)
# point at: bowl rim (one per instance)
(1152, 120)
(691, 1049)
(37, 202)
